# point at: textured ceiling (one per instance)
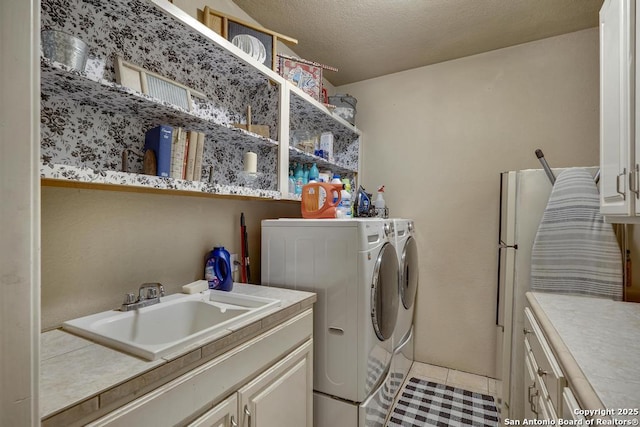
(371, 38)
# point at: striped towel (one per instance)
(575, 251)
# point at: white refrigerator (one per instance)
(523, 198)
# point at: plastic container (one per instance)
(292, 183)
(345, 209)
(345, 107)
(316, 202)
(326, 146)
(217, 269)
(314, 173)
(298, 176)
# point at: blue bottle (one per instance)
(305, 174)
(314, 173)
(217, 270)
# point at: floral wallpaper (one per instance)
(88, 120)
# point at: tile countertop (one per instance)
(78, 376)
(602, 338)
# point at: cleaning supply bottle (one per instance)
(298, 176)
(336, 180)
(345, 203)
(305, 174)
(314, 173)
(217, 269)
(292, 183)
(381, 211)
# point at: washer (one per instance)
(403, 345)
(352, 266)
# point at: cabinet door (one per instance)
(636, 117)
(616, 26)
(225, 414)
(282, 395)
(531, 393)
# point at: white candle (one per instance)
(250, 162)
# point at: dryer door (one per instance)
(384, 293)
(409, 281)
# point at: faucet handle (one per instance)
(129, 298)
(150, 291)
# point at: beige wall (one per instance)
(99, 245)
(437, 137)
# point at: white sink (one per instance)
(175, 322)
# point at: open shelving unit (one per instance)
(88, 119)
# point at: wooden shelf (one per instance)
(85, 178)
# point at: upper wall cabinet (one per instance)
(619, 137)
(92, 127)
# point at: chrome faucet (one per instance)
(148, 294)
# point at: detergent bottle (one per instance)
(217, 270)
(320, 200)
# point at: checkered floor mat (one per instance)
(424, 403)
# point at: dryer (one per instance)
(403, 344)
(352, 266)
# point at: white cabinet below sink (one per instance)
(270, 376)
(224, 414)
(273, 399)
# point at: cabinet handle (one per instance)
(527, 331)
(624, 172)
(634, 181)
(531, 398)
(541, 372)
(248, 414)
(233, 422)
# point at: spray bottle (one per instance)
(381, 211)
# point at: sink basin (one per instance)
(174, 323)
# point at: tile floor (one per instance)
(464, 380)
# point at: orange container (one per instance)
(317, 200)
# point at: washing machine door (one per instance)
(384, 292)
(409, 274)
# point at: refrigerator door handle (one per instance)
(500, 247)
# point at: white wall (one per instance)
(437, 137)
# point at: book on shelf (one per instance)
(185, 153)
(177, 153)
(159, 140)
(197, 168)
(191, 155)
